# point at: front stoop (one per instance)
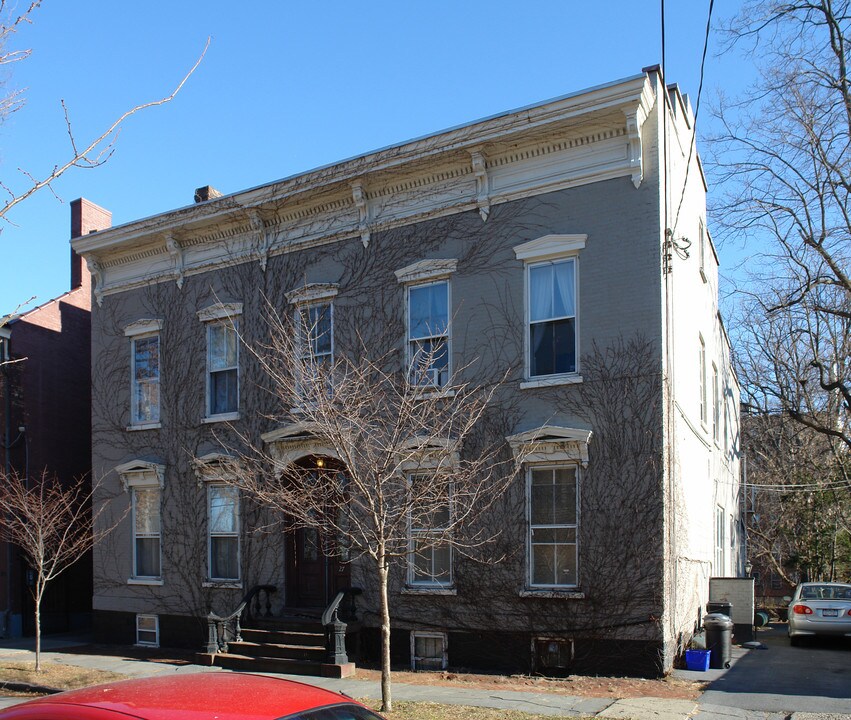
(286, 650)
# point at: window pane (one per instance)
(441, 563)
(564, 496)
(563, 289)
(147, 358)
(224, 558)
(553, 347)
(146, 377)
(147, 511)
(318, 329)
(430, 362)
(428, 310)
(223, 347)
(147, 401)
(428, 647)
(224, 392)
(566, 564)
(224, 508)
(543, 564)
(147, 557)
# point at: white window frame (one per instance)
(144, 330)
(720, 541)
(235, 534)
(530, 527)
(148, 536)
(432, 377)
(716, 406)
(541, 251)
(220, 315)
(156, 630)
(413, 534)
(444, 659)
(702, 382)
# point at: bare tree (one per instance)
(53, 525)
(411, 474)
(784, 158)
(89, 153)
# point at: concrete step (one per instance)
(284, 666)
(283, 637)
(315, 653)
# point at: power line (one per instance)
(696, 112)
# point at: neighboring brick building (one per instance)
(45, 425)
(551, 244)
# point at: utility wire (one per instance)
(693, 142)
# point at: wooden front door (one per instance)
(315, 570)
(316, 566)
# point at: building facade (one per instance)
(533, 243)
(46, 426)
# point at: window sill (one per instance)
(436, 392)
(551, 381)
(224, 417)
(228, 584)
(144, 426)
(555, 594)
(441, 591)
(145, 581)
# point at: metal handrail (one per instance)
(224, 629)
(335, 628)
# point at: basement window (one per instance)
(552, 653)
(428, 651)
(148, 630)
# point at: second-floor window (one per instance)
(702, 379)
(316, 339)
(428, 333)
(222, 368)
(716, 405)
(552, 318)
(145, 401)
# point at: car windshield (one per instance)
(335, 712)
(826, 592)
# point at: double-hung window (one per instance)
(144, 372)
(146, 532)
(316, 341)
(720, 543)
(222, 384)
(716, 404)
(429, 559)
(223, 530)
(702, 379)
(553, 526)
(428, 333)
(552, 317)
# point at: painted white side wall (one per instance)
(704, 462)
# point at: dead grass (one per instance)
(436, 711)
(55, 675)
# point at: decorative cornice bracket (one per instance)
(261, 236)
(635, 117)
(480, 170)
(96, 270)
(362, 205)
(176, 253)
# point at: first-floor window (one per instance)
(553, 526)
(146, 531)
(430, 559)
(720, 524)
(147, 630)
(223, 514)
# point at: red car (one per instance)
(213, 695)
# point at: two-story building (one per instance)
(565, 244)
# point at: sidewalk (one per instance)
(531, 702)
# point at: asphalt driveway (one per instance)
(815, 677)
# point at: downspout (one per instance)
(7, 469)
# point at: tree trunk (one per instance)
(386, 699)
(37, 598)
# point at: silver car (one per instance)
(820, 608)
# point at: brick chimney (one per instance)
(86, 217)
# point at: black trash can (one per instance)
(719, 639)
(723, 607)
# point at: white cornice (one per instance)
(574, 140)
(426, 270)
(219, 310)
(148, 326)
(141, 473)
(550, 246)
(312, 292)
(551, 443)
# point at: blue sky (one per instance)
(287, 86)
